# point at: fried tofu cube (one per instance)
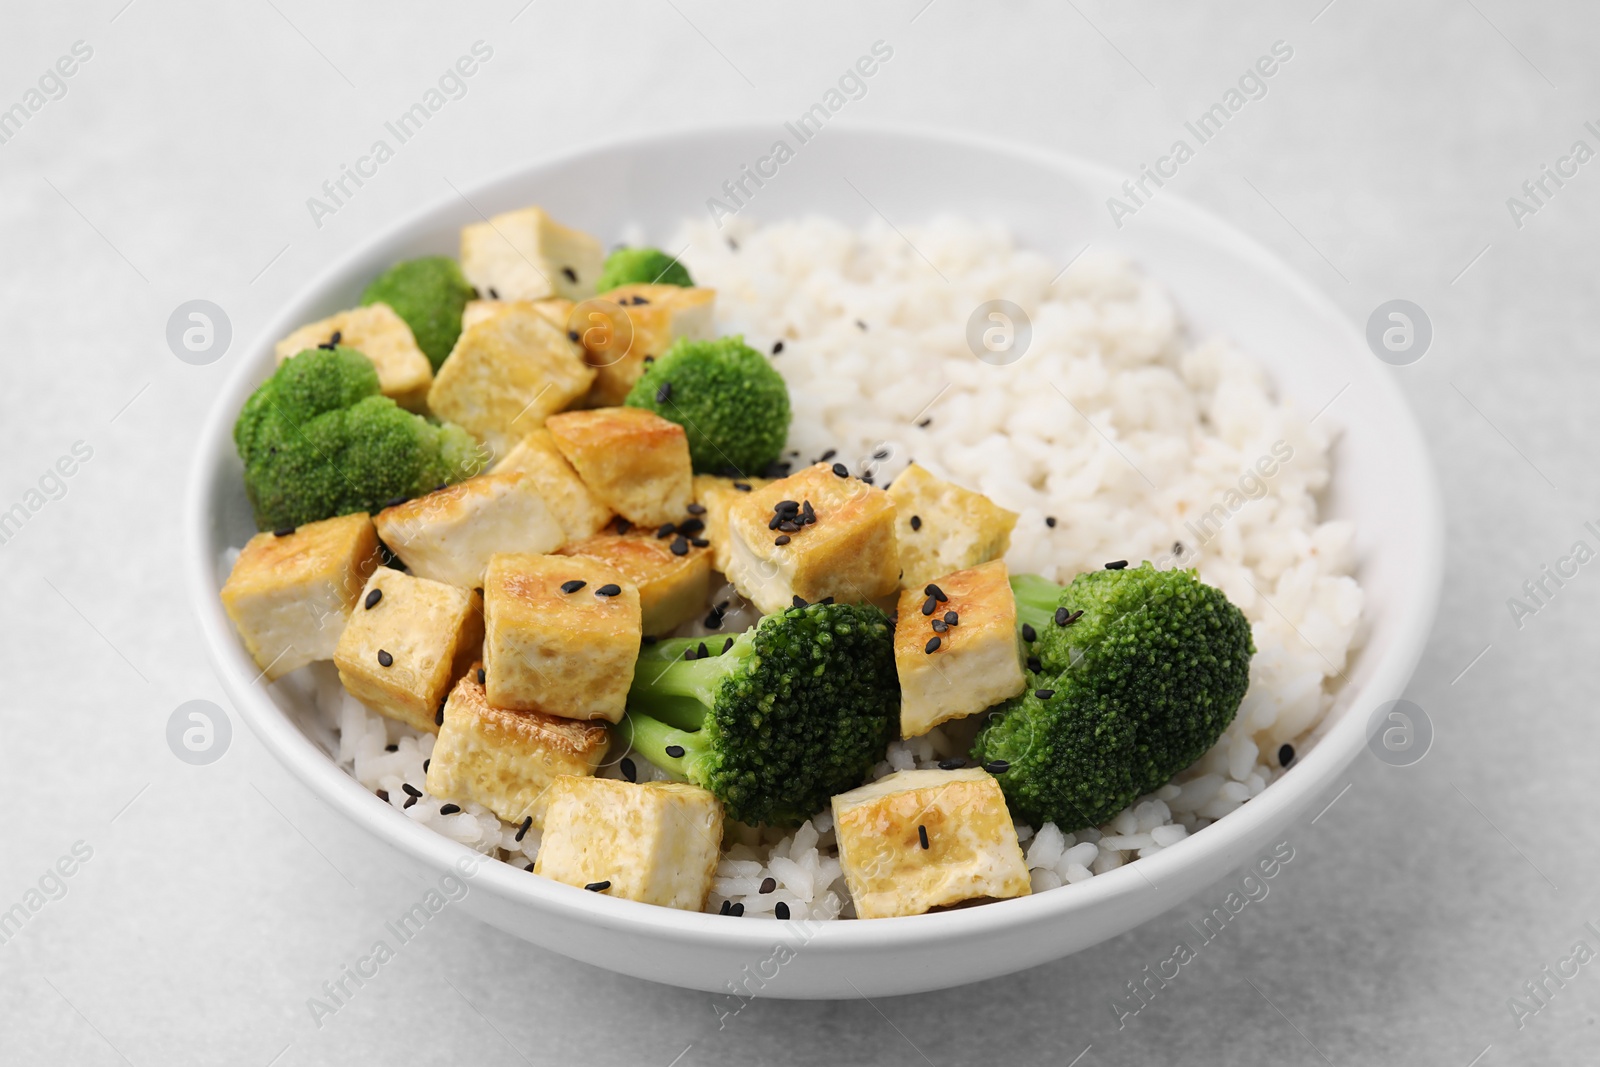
(978, 661)
(289, 596)
(657, 315)
(555, 310)
(575, 507)
(848, 553)
(971, 849)
(717, 495)
(654, 842)
(506, 374)
(672, 588)
(525, 255)
(449, 534)
(563, 653)
(635, 461)
(404, 373)
(506, 760)
(943, 527)
(403, 646)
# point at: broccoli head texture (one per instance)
(1141, 672)
(318, 440)
(730, 402)
(429, 294)
(799, 708)
(630, 266)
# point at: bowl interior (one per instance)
(1223, 282)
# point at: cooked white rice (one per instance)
(1114, 423)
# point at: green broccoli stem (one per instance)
(681, 690)
(1036, 599)
(651, 738)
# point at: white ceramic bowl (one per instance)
(1223, 281)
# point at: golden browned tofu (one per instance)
(971, 848)
(505, 375)
(672, 587)
(656, 316)
(635, 461)
(506, 760)
(289, 596)
(555, 310)
(407, 639)
(578, 510)
(404, 373)
(848, 553)
(717, 494)
(449, 534)
(563, 635)
(524, 255)
(942, 527)
(977, 661)
(654, 842)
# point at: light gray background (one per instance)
(177, 166)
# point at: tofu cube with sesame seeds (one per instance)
(408, 638)
(575, 507)
(506, 760)
(404, 373)
(949, 670)
(635, 461)
(848, 552)
(289, 594)
(943, 527)
(654, 842)
(555, 310)
(562, 635)
(506, 374)
(656, 316)
(717, 495)
(449, 534)
(525, 255)
(924, 839)
(673, 575)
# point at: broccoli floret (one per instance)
(730, 402)
(798, 709)
(628, 266)
(428, 293)
(1141, 671)
(318, 439)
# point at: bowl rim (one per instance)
(1231, 836)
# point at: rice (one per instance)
(1134, 439)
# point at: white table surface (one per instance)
(177, 166)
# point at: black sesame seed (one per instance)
(736, 911)
(680, 546)
(573, 586)
(598, 887)
(409, 801)
(570, 274)
(338, 335)
(714, 619)
(774, 522)
(954, 763)
(1116, 565)
(664, 393)
(808, 514)
(1035, 664)
(1044, 694)
(648, 639)
(861, 325)
(482, 676)
(743, 487)
(727, 905)
(621, 525)
(777, 348)
(924, 423)
(383, 795)
(411, 790)
(1029, 634)
(930, 606)
(425, 765)
(829, 454)
(781, 539)
(573, 336)
(728, 645)
(1074, 617)
(826, 600)
(1177, 548)
(283, 531)
(701, 652)
(932, 646)
(522, 830)
(1062, 614)
(493, 295)
(449, 809)
(951, 617)
(630, 770)
(940, 626)
(438, 716)
(675, 751)
(666, 529)
(699, 542)
(780, 910)
(688, 654)
(882, 453)
(799, 601)
(696, 509)
(391, 748)
(372, 599)
(1050, 521)
(769, 884)
(997, 766)
(935, 592)
(841, 470)
(529, 868)
(1285, 755)
(384, 659)
(916, 522)
(789, 526)
(609, 589)
(922, 836)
